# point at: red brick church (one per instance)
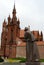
(12, 38)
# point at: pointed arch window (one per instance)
(11, 35)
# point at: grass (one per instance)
(41, 60)
(19, 59)
(10, 60)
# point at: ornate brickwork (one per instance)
(12, 36)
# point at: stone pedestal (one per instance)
(32, 63)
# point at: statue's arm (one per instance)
(27, 36)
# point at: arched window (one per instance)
(11, 35)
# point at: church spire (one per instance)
(14, 11)
(41, 35)
(18, 21)
(4, 26)
(9, 19)
(4, 23)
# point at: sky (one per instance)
(29, 12)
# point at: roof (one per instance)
(40, 42)
(22, 43)
(22, 33)
(35, 33)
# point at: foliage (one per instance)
(23, 60)
(41, 60)
(19, 59)
(1, 60)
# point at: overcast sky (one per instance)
(29, 12)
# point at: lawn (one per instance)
(41, 60)
(17, 60)
(20, 60)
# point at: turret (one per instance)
(18, 22)
(41, 36)
(4, 25)
(18, 28)
(14, 12)
(9, 19)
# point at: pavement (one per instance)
(6, 63)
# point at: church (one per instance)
(12, 38)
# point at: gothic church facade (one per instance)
(12, 37)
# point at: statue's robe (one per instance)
(31, 48)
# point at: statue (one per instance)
(31, 49)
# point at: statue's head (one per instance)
(27, 34)
(26, 29)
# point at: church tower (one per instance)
(3, 37)
(13, 31)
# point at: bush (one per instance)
(1, 60)
(23, 60)
(19, 58)
(41, 60)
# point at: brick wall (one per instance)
(10, 51)
(1, 52)
(41, 51)
(21, 51)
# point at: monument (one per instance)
(32, 54)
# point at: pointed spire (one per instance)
(41, 33)
(38, 33)
(41, 36)
(14, 11)
(14, 6)
(18, 21)
(4, 23)
(9, 18)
